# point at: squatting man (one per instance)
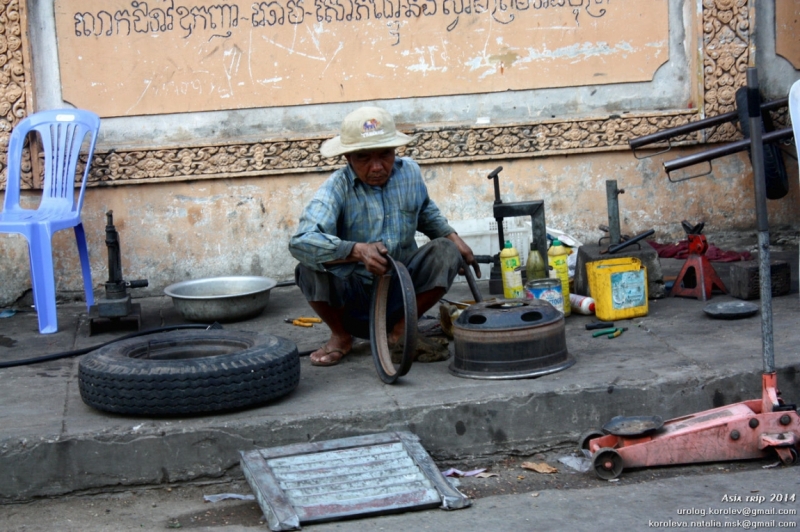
(364, 211)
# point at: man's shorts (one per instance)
(434, 265)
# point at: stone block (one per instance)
(744, 282)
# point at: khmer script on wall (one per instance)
(125, 58)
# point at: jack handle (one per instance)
(665, 135)
(721, 151)
(495, 174)
(618, 247)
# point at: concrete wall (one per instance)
(179, 229)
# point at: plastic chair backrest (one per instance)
(62, 133)
(794, 111)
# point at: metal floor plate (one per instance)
(349, 477)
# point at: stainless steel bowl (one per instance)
(221, 298)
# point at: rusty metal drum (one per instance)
(510, 339)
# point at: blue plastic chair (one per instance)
(62, 132)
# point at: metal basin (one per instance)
(221, 298)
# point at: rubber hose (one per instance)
(78, 352)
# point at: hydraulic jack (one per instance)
(115, 310)
(750, 429)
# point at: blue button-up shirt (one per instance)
(345, 210)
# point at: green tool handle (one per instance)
(603, 331)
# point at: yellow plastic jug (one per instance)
(619, 288)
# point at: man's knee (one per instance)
(445, 252)
(315, 285)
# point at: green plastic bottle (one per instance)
(535, 268)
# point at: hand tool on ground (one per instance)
(744, 430)
(599, 325)
(303, 322)
(601, 332)
(618, 331)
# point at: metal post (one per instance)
(765, 276)
(613, 210)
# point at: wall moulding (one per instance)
(724, 37)
(431, 145)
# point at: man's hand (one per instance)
(372, 255)
(466, 253)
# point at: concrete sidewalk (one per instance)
(673, 362)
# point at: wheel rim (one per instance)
(388, 371)
(588, 436)
(607, 464)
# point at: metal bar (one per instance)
(612, 199)
(452, 499)
(765, 277)
(473, 287)
(630, 241)
(278, 511)
(700, 124)
(727, 149)
(328, 445)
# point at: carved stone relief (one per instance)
(726, 41)
(725, 34)
(12, 82)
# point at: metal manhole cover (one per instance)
(349, 477)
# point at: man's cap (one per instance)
(366, 128)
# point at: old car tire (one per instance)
(189, 372)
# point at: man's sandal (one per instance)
(333, 354)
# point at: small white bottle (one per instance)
(581, 304)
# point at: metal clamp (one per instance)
(388, 371)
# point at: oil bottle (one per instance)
(510, 270)
(535, 268)
(558, 260)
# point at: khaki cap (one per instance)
(366, 128)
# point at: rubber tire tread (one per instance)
(266, 368)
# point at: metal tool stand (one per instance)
(612, 193)
(115, 310)
(750, 429)
(534, 209)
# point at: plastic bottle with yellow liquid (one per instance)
(558, 260)
(511, 272)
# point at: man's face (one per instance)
(373, 167)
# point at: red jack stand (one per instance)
(697, 275)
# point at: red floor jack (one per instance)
(746, 430)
